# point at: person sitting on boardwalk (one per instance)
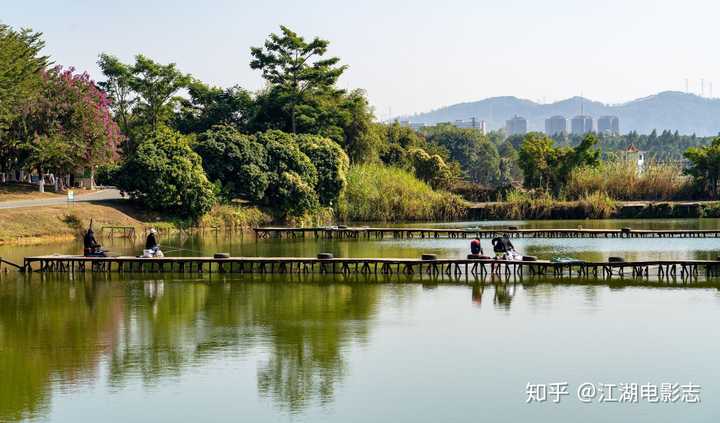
(475, 247)
(91, 247)
(152, 247)
(505, 249)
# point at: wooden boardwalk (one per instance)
(684, 269)
(464, 233)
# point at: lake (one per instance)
(261, 348)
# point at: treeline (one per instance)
(666, 146)
(176, 144)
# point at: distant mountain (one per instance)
(673, 110)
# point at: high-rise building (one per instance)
(556, 125)
(581, 125)
(608, 125)
(516, 126)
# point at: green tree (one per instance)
(292, 175)
(166, 174)
(118, 88)
(430, 168)
(292, 194)
(157, 86)
(705, 166)
(209, 106)
(295, 69)
(478, 158)
(548, 167)
(332, 165)
(20, 82)
(235, 160)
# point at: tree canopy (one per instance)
(546, 166)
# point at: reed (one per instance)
(598, 205)
(377, 193)
(620, 180)
(527, 205)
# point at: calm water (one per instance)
(249, 348)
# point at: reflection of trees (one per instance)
(59, 331)
(50, 330)
(306, 326)
(311, 326)
(160, 330)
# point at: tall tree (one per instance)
(157, 87)
(20, 80)
(117, 85)
(295, 68)
(209, 106)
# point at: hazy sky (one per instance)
(411, 56)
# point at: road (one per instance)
(105, 194)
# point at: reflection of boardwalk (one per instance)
(380, 233)
(684, 269)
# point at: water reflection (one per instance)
(54, 331)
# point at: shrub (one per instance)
(236, 160)
(293, 195)
(166, 174)
(431, 169)
(332, 165)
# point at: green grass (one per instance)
(377, 193)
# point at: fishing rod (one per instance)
(183, 249)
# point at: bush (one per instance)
(380, 193)
(166, 174)
(236, 160)
(332, 165)
(431, 169)
(293, 194)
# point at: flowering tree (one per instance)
(68, 126)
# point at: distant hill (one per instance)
(686, 113)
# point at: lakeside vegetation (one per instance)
(302, 149)
(387, 194)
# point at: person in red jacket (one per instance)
(475, 247)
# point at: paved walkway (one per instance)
(105, 194)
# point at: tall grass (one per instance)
(620, 180)
(379, 193)
(598, 205)
(526, 205)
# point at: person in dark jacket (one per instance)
(90, 245)
(151, 243)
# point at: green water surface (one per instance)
(171, 348)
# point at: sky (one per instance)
(409, 56)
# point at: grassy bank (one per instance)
(55, 223)
(381, 194)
